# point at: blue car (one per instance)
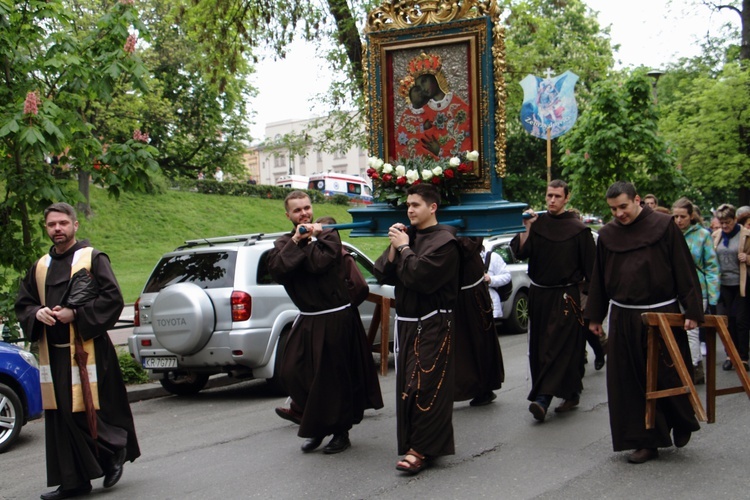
(20, 392)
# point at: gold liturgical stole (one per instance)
(81, 260)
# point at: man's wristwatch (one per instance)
(400, 248)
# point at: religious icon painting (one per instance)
(431, 85)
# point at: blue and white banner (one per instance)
(549, 103)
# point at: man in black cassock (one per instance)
(73, 456)
(327, 366)
(479, 360)
(423, 262)
(642, 265)
(560, 250)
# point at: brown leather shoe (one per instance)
(289, 414)
(567, 405)
(643, 455)
(538, 411)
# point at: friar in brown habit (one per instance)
(74, 457)
(422, 261)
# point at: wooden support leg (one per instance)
(679, 364)
(660, 324)
(652, 362)
(385, 327)
(374, 324)
(734, 355)
(711, 373)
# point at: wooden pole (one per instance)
(549, 155)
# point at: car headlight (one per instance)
(29, 358)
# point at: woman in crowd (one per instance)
(701, 248)
(732, 247)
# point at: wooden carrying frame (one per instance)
(381, 318)
(660, 324)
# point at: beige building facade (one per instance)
(289, 150)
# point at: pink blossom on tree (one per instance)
(140, 136)
(31, 105)
(130, 44)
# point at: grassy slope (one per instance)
(137, 229)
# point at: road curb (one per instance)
(143, 392)
(152, 390)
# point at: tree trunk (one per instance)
(743, 194)
(745, 20)
(348, 36)
(84, 207)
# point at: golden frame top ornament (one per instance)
(397, 14)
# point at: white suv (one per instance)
(211, 306)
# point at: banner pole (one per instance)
(549, 155)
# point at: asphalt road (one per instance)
(228, 443)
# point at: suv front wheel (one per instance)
(184, 383)
(519, 314)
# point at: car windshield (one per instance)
(205, 269)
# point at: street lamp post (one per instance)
(655, 74)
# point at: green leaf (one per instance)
(9, 127)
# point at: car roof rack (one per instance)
(249, 239)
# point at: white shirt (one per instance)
(499, 276)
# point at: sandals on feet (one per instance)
(415, 465)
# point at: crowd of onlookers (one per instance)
(719, 247)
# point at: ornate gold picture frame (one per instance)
(416, 50)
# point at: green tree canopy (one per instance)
(617, 139)
(708, 121)
(58, 68)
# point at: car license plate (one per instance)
(161, 362)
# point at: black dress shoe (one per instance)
(599, 363)
(339, 443)
(60, 493)
(115, 469)
(643, 455)
(727, 366)
(311, 444)
(680, 438)
(484, 399)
